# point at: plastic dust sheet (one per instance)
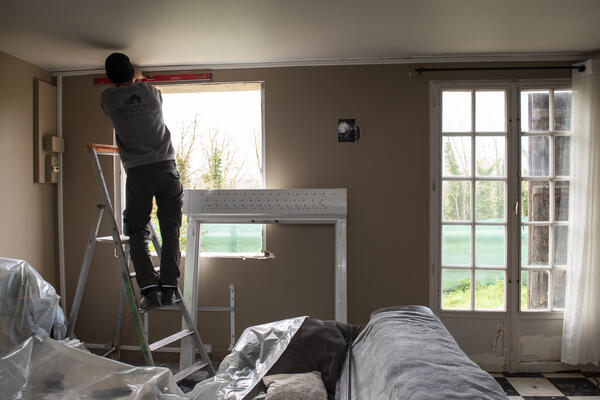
(254, 354)
(41, 368)
(28, 305)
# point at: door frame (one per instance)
(512, 317)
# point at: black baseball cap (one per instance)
(118, 68)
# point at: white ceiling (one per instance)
(79, 34)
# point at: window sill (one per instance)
(258, 256)
(266, 255)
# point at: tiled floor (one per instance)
(556, 386)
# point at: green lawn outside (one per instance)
(488, 297)
(489, 252)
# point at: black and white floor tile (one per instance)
(555, 386)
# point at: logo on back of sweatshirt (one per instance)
(133, 100)
(134, 107)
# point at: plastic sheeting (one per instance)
(28, 305)
(254, 354)
(41, 368)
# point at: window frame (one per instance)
(120, 175)
(512, 193)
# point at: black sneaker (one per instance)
(150, 301)
(169, 296)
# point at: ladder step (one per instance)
(109, 239)
(190, 370)
(170, 339)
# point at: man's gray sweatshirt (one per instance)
(136, 113)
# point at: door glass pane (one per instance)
(534, 245)
(562, 110)
(456, 200)
(489, 155)
(535, 156)
(456, 157)
(489, 201)
(456, 111)
(562, 155)
(561, 236)
(490, 111)
(559, 282)
(535, 198)
(489, 246)
(456, 245)
(489, 290)
(561, 199)
(456, 289)
(534, 290)
(535, 112)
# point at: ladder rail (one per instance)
(121, 257)
(154, 239)
(85, 267)
(196, 337)
(119, 319)
(231, 317)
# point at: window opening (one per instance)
(216, 130)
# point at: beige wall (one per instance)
(388, 205)
(27, 209)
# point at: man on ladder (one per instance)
(148, 156)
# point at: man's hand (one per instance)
(137, 75)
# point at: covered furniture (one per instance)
(407, 353)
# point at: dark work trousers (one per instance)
(160, 180)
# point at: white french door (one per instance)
(499, 215)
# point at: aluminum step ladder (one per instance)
(121, 244)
